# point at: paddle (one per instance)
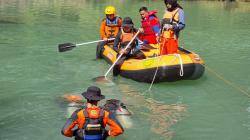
(69, 46)
(100, 78)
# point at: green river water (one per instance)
(34, 75)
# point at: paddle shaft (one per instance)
(121, 53)
(94, 42)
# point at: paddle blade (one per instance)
(102, 80)
(65, 47)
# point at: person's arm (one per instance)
(155, 24)
(181, 23)
(102, 29)
(115, 127)
(70, 124)
(136, 40)
(117, 41)
(120, 22)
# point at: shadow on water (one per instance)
(230, 5)
(9, 22)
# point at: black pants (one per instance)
(105, 136)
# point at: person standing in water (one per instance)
(89, 123)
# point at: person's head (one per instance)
(110, 12)
(143, 12)
(171, 4)
(93, 95)
(127, 24)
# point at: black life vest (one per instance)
(93, 127)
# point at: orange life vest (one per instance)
(112, 27)
(168, 40)
(172, 17)
(125, 38)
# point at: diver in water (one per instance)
(89, 122)
(123, 115)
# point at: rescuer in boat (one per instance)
(89, 123)
(150, 26)
(172, 23)
(122, 40)
(110, 27)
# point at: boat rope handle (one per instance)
(181, 64)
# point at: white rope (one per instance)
(154, 74)
(152, 82)
(181, 70)
(181, 64)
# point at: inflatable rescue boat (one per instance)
(185, 65)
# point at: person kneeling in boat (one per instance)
(89, 123)
(172, 24)
(110, 27)
(122, 39)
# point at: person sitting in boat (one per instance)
(110, 26)
(172, 23)
(89, 123)
(122, 40)
(150, 25)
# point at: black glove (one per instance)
(106, 134)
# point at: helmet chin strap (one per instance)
(111, 19)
